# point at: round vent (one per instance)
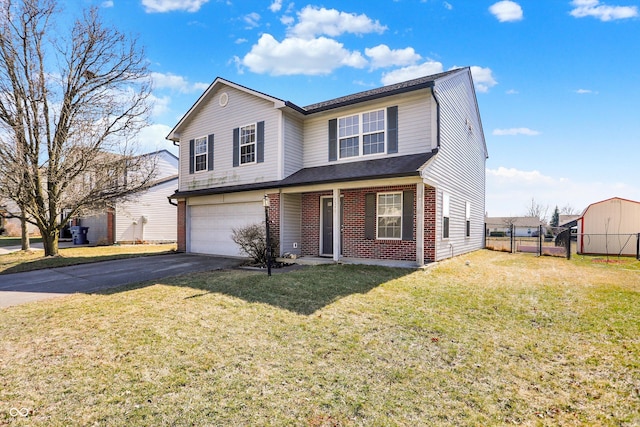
(224, 99)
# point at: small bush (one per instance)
(252, 241)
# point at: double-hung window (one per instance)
(248, 144)
(373, 132)
(446, 201)
(389, 217)
(367, 127)
(200, 154)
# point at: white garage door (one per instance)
(210, 228)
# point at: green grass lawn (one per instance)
(507, 339)
(16, 241)
(20, 261)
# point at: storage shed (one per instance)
(609, 227)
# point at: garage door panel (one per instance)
(211, 226)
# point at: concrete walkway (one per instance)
(18, 288)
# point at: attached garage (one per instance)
(210, 225)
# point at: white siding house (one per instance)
(393, 173)
(149, 217)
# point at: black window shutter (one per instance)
(407, 215)
(333, 140)
(236, 147)
(370, 216)
(392, 130)
(191, 155)
(210, 152)
(260, 143)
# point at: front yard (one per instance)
(507, 339)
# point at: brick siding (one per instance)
(182, 226)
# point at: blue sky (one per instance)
(558, 82)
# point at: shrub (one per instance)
(252, 241)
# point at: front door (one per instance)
(327, 225)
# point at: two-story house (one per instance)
(394, 173)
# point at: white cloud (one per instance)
(584, 8)
(276, 6)
(482, 78)
(313, 21)
(152, 138)
(510, 190)
(412, 72)
(107, 3)
(382, 56)
(512, 92)
(177, 83)
(287, 20)
(160, 105)
(160, 6)
(252, 20)
(300, 56)
(506, 11)
(448, 6)
(515, 131)
(586, 92)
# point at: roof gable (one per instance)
(217, 84)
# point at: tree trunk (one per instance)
(50, 243)
(26, 244)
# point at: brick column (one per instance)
(182, 226)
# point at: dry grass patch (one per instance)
(20, 261)
(507, 339)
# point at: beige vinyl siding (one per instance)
(242, 109)
(97, 233)
(293, 134)
(609, 227)
(459, 167)
(166, 165)
(416, 111)
(161, 217)
(291, 223)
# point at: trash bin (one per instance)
(79, 235)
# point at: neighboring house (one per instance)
(147, 218)
(394, 173)
(609, 227)
(524, 226)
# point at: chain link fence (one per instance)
(559, 241)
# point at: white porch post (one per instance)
(337, 241)
(420, 224)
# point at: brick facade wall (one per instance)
(429, 224)
(182, 226)
(354, 244)
(274, 221)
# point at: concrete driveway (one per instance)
(19, 288)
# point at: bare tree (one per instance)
(537, 210)
(569, 210)
(72, 98)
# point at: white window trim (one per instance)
(446, 213)
(378, 214)
(254, 143)
(205, 154)
(467, 223)
(361, 134)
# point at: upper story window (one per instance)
(248, 144)
(200, 154)
(368, 127)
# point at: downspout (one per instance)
(435, 98)
(170, 202)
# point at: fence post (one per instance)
(638, 247)
(511, 232)
(540, 237)
(568, 243)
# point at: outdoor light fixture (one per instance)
(265, 203)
